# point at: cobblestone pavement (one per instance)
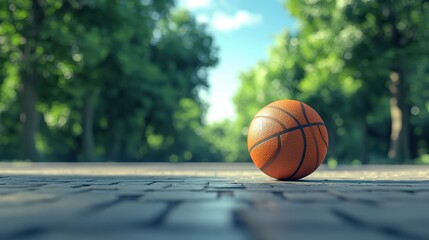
(210, 201)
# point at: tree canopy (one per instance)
(101, 80)
(111, 80)
(360, 64)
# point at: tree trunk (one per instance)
(29, 115)
(399, 151)
(115, 141)
(88, 125)
(28, 87)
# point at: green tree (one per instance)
(394, 34)
(22, 27)
(386, 41)
(107, 77)
(277, 78)
(327, 84)
(339, 62)
(227, 140)
(184, 52)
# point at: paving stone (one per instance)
(100, 187)
(339, 232)
(379, 196)
(413, 229)
(128, 191)
(133, 183)
(302, 221)
(207, 214)
(301, 187)
(20, 198)
(145, 233)
(185, 188)
(299, 215)
(409, 218)
(420, 188)
(422, 195)
(255, 195)
(373, 188)
(120, 215)
(141, 188)
(313, 197)
(198, 181)
(180, 196)
(48, 214)
(8, 191)
(211, 201)
(19, 185)
(224, 185)
(103, 182)
(257, 185)
(57, 185)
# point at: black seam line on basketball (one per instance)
(288, 113)
(274, 156)
(318, 128)
(304, 149)
(274, 119)
(284, 132)
(312, 136)
(317, 148)
(303, 111)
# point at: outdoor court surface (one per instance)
(205, 201)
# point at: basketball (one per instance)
(287, 140)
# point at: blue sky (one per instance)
(243, 31)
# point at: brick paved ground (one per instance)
(210, 201)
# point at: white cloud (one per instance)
(224, 22)
(194, 4)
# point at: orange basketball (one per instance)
(287, 140)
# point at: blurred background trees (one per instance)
(110, 80)
(360, 64)
(101, 80)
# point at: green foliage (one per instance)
(341, 63)
(116, 81)
(227, 139)
(110, 80)
(9, 112)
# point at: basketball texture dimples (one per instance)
(287, 140)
